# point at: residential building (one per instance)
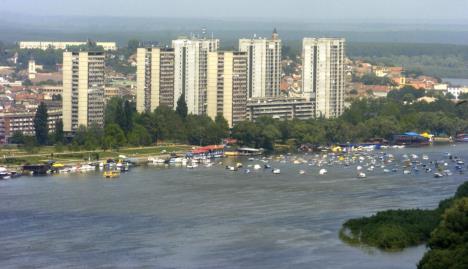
(22, 120)
(83, 90)
(284, 108)
(227, 86)
(43, 45)
(323, 75)
(190, 71)
(155, 78)
(264, 65)
(455, 91)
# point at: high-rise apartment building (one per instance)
(264, 65)
(83, 90)
(155, 78)
(190, 71)
(227, 86)
(323, 75)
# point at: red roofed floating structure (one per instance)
(212, 151)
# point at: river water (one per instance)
(208, 217)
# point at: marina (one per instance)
(203, 215)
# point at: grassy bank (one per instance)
(14, 156)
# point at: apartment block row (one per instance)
(239, 85)
(224, 82)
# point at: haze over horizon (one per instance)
(429, 11)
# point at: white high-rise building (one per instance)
(264, 65)
(190, 71)
(323, 75)
(227, 86)
(83, 90)
(155, 78)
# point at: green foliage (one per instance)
(398, 229)
(121, 112)
(17, 138)
(59, 136)
(48, 58)
(181, 108)
(139, 136)
(438, 60)
(41, 125)
(394, 229)
(114, 137)
(372, 79)
(449, 241)
(222, 126)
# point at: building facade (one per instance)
(43, 45)
(264, 65)
(83, 90)
(23, 121)
(227, 86)
(155, 78)
(323, 75)
(190, 71)
(283, 108)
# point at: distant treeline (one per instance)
(439, 60)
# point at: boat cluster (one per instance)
(364, 163)
(7, 174)
(109, 165)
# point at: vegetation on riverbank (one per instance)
(445, 228)
(364, 120)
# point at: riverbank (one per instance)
(14, 157)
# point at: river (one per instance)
(209, 217)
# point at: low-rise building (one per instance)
(22, 120)
(43, 45)
(284, 108)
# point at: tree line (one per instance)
(364, 120)
(444, 229)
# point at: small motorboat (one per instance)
(301, 172)
(323, 172)
(276, 171)
(362, 175)
(111, 174)
(438, 175)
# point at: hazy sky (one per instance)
(304, 10)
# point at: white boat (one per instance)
(156, 161)
(362, 175)
(406, 172)
(301, 172)
(359, 168)
(276, 171)
(323, 172)
(257, 167)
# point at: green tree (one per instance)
(222, 127)
(41, 125)
(181, 108)
(139, 136)
(449, 241)
(114, 136)
(59, 136)
(17, 138)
